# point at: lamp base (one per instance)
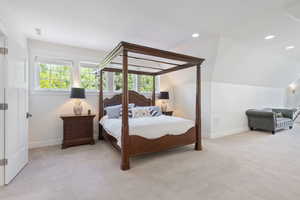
(164, 107)
(77, 109)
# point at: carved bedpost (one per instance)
(125, 127)
(101, 108)
(153, 91)
(198, 144)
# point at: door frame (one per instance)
(3, 63)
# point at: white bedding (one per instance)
(148, 127)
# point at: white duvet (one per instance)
(148, 127)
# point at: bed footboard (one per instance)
(140, 145)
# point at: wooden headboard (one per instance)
(134, 97)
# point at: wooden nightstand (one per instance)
(170, 113)
(78, 130)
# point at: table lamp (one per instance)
(164, 96)
(77, 94)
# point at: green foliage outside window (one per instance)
(58, 76)
(105, 81)
(118, 81)
(89, 81)
(145, 83)
(54, 76)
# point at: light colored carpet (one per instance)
(254, 165)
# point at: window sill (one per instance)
(49, 91)
(88, 92)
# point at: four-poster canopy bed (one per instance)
(131, 144)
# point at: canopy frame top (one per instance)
(188, 61)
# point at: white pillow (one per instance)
(140, 112)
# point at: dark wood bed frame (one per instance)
(132, 145)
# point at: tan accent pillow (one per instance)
(140, 112)
(279, 115)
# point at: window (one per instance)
(118, 81)
(105, 81)
(54, 74)
(145, 83)
(141, 83)
(89, 80)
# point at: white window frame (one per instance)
(135, 84)
(93, 65)
(38, 60)
(157, 85)
(75, 67)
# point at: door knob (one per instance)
(28, 115)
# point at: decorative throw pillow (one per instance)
(279, 115)
(113, 112)
(154, 110)
(129, 112)
(138, 112)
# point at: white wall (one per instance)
(182, 88)
(182, 84)
(230, 82)
(230, 101)
(252, 62)
(45, 127)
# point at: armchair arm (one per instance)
(260, 119)
(260, 113)
(288, 113)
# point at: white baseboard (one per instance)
(1, 177)
(52, 142)
(44, 143)
(228, 132)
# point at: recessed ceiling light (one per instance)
(195, 35)
(289, 47)
(269, 37)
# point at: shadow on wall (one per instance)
(67, 108)
(183, 85)
(185, 94)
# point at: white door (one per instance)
(16, 123)
(1, 111)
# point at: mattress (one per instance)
(148, 127)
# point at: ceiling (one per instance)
(169, 24)
(100, 24)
